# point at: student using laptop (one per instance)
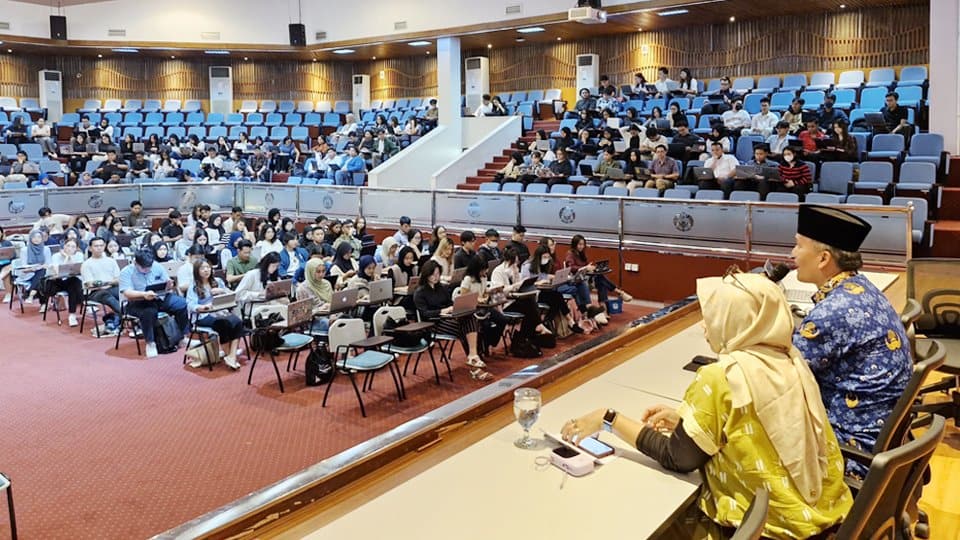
(507, 276)
(254, 283)
(433, 300)
(68, 254)
(228, 326)
(578, 261)
(136, 282)
(315, 287)
(361, 281)
(542, 266)
(724, 167)
(757, 179)
(344, 265)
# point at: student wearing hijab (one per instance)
(362, 280)
(37, 256)
(344, 265)
(161, 253)
(316, 287)
(753, 419)
(387, 252)
(401, 272)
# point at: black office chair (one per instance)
(751, 528)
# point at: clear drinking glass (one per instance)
(526, 407)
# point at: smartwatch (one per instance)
(608, 418)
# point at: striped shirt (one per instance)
(798, 174)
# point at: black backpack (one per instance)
(319, 368)
(524, 348)
(400, 339)
(167, 335)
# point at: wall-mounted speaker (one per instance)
(298, 35)
(58, 27)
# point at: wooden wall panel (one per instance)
(402, 77)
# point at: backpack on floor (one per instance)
(319, 368)
(167, 335)
(524, 348)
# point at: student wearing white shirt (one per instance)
(779, 140)
(724, 167)
(40, 133)
(736, 119)
(764, 122)
(688, 85)
(663, 83)
(68, 254)
(100, 275)
(485, 108)
(402, 235)
(348, 127)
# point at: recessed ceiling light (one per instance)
(245, 58)
(374, 57)
(639, 29)
(314, 59)
(172, 57)
(98, 56)
(1, 43)
(344, 51)
(489, 45)
(558, 39)
(843, 6)
(520, 40)
(530, 30)
(9, 50)
(418, 43)
(125, 50)
(670, 12)
(732, 19)
(428, 52)
(217, 52)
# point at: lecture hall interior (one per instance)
(461, 269)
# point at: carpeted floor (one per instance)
(104, 444)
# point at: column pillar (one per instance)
(944, 92)
(449, 82)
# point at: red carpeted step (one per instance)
(468, 187)
(953, 179)
(477, 179)
(946, 239)
(488, 172)
(949, 204)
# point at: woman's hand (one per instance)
(788, 183)
(585, 426)
(446, 310)
(661, 418)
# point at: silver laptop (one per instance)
(615, 173)
(620, 146)
(30, 167)
(93, 148)
(561, 276)
(703, 173)
(138, 147)
(223, 301)
(412, 284)
(381, 291)
(278, 289)
(747, 171)
(67, 270)
(613, 123)
(465, 304)
(543, 145)
(172, 267)
(457, 276)
(344, 300)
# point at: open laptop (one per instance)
(124, 240)
(528, 286)
(543, 145)
(380, 291)
(875, 121)
(586, 169)
(93, 148)
(8, 253)
(412, 284)
(223, 301)
(561, 276)
(278, 289)
(614, 173)
(771, 174)
(465, 304)
(172, 267)
(344, 300)
(602, 266)
(496, 296)
(457, 276)
(300, 312)
(745, 172)
(703, 173)
(613, 123)
(67, 270)
(620, 146)
(64, 149)
(138, 147)
(30, 167)
(159, 288)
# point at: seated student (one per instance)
(718, 133)
(140, 167)
(259, 165)
(316, 287)
(692, 143)
(896, 117)
(347, 236)
(522, 343)
(586, 103)
(37, 256)
(764, 122)
(724, 167)
(69, 254)
(795, 176)
(161, 253)
(384, 148)
(344, 266)
(268, 242)
(809, 137)
(723, 99)
(433, 302)
(228, 326)
(354, 164)
(542, 265)
(101, 275)
(794, 115)
(663, 83)
(401, 272)
(517, 243)
(842, 145)
(779, 140)
(606, 163)
(293, 258)
(634, 170)
(664, 171)
(254, 283)
(212, 166)
(759, 181)
(147, 304)
(6, 268)
(652, 140)
(532, 172)
(349, 126)
(559, 170)
(443, 256)
(485, 108)
(827, 115)
(577, 260)
(511, 171)
(736, 119)
(173, 230)
(497, 107)
(432, 115)
(755, 418)
(386, 253)
(608, 101)
(490, 250)
(194, 255)
(638, 90)
(402, 236)
(466, 251)
(242, 262)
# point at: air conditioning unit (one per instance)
(477, 80)
(588, 71)
(51, 94)
(587, 15)
(361, 92)
(221, 89)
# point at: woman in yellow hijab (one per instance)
(754, 419)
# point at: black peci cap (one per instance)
(832, 227)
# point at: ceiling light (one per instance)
(98, 56)
(530, 30)
(217, 52)
(172, 57)
(558, 39)
(245, 58)
(842, 6)
(344, 51)
(639, 29)
(418, 43)
(1, 43)
(489, 45)
(520, 40)
(428, 52)
(125, 50)
(9, 50)
(314, 59)
(374, 57)
(733, 19)
(670, 12)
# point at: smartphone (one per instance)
(565, 452)
(595, 447)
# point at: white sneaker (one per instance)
(601, 319)
(6, 299)
(232, 362)
(43, 308)
(28, 300)
(151, 350)
(73, 320)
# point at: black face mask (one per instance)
(738, 106)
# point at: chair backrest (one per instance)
(171, 105)
(898, 423)
(397, 313)
(192, 105)
(822, 78)
(343, 332)
(512, 187)
(248, 105)
(913, 74)
(835, 176)
(112, 105)
(844, 96)
(708, 195)
(926, 144)
(857, 198)
(874, 171)
(614, 191)
(151, 105)
(823, 198)
(743, 83)
(588, 190)
(935, 283)
(783, 197)
(254, 119)
(853, 77)
(919, 210)
(675, 193)
(781, 99)
(880, 75)
(754, 519)
(564, 189)
(744, 196)
(537, 188)
(768, 83)
(647, 193)
(812, 98)
(910, 94)
(794, 80)
(744, 150)
(872, 99)
(893, 476)
(887, 142)
(918, 171)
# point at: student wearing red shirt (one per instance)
(808, 137)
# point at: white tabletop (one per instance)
(495, 490)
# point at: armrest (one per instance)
(860, 456)
(372, 342)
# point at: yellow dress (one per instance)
(744, 459)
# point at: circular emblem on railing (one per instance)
(188, 199)
(327, 201)
(268, 199)
(683, 221)
(473, 209)
(16, 207)
(567, 215)
(95, 201)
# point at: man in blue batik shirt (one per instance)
(852, 338)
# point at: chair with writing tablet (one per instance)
(348, 339)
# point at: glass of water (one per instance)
(526, 407)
